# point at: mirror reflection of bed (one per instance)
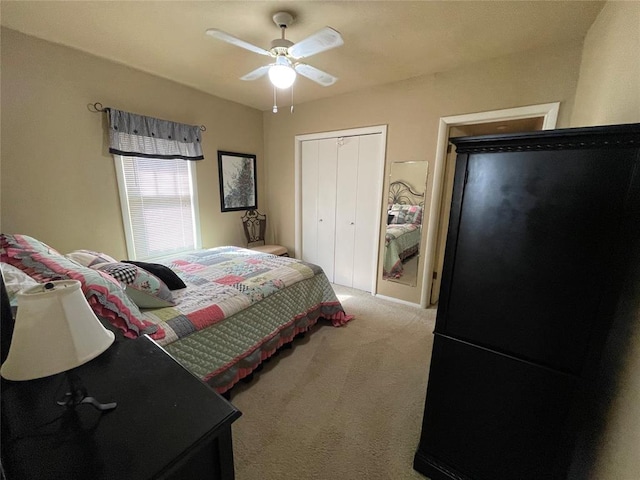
(405, 205)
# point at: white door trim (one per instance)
(547, 110)
(377, 197)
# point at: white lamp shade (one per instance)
(55, 331)
(282, 74)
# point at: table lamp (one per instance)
(55, 331)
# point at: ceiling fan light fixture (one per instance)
(282, 74)
(285, 69)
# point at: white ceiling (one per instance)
(385, 41)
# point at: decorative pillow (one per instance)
(145, 289)
(26, 243)
(89, 258)
(103, 292)
(417, 215)
(405, 214)
(14, 281)
(164, 273)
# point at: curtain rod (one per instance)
(98, 108)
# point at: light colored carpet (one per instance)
(344, 403)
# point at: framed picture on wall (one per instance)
(238, 186)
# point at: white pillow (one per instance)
(14, 281)
(89, 258)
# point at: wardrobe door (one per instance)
(491, 416)
(532, 251)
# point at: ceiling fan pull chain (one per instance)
(275, 103)
(291, 98)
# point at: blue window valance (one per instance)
(135, 135)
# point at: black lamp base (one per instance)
(77, 395)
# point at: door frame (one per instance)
(352, 132)
(549, 112)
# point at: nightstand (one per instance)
(168, 424)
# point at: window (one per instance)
(159, 206)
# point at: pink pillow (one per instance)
(103, 292)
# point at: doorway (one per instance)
(534, 117)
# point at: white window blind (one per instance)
(159, 206)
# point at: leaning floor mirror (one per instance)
(405, 205)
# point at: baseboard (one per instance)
(434, 469)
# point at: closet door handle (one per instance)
(320, 220)
(352, 223)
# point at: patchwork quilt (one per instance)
(226, 280)
(401, 241)
(238, 308)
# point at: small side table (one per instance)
(167, 425)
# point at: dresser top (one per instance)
(163, 410)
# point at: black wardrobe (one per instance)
(541, 267)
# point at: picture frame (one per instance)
(237, 177)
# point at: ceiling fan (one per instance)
(282, 72)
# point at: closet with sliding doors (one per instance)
(340, 206)
(541, 266)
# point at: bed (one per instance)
(404, 226)
(236, 309)
(401, 243)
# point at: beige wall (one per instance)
(412, 110)
(608, 92)
(609, 88)
(58, 180)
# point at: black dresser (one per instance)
(542, 247)
(167, 424)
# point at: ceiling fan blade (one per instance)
(257, 73)
(320, 41)
(225, 37)
(312, 73)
